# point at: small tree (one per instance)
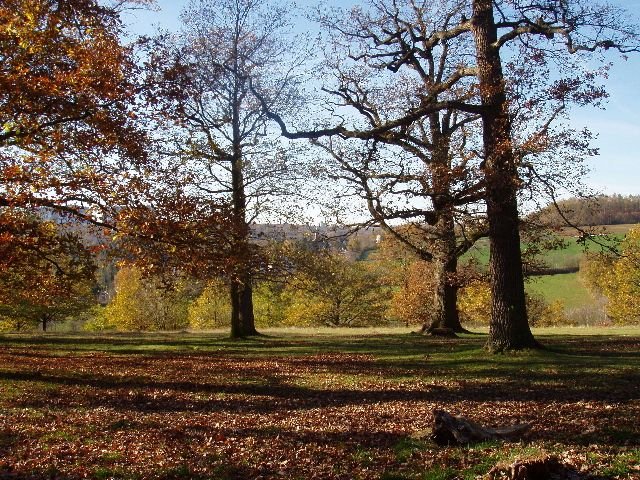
(328, 289)
(475, 303)
(144, 303)
(46, 273)
(270, 303)
(618, 279)
(212, 307)
(410, 302)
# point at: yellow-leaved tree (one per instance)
(212, 308)
(269, 304)
(474, 303)
(329, 289)
(618, 279)
(475, 307)
(412, 301)
(144, 304)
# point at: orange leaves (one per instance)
(243, 410)
(172, 230)
(65, 82)
(71, 140)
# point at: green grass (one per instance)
(338, 402)
(568, 257)
(479, 252)
(574, 251)
(565, 287)
(568, 332)
(440, 473)
(621, 229)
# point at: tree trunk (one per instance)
(337, 317)
(445, 259)
(242, 317)
(247, 317)
(445, 315)
(236, 322)
(509, 328)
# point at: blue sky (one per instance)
(615, 170)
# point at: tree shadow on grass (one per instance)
(144, 344)
(7, 442)
(348, 442)
(242, 378)
(270, 393)
(225, 471)
(594, 345)
(440, 370)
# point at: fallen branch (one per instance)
(450, 430)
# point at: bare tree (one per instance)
(223, 135)
(411, 167)
(549, 31)
(425, 173)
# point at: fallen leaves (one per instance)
(334, 415)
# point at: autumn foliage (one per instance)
(65, 96)
(412, 302)
(618, 279)
(146, 303)
(176, 163)
(46, 273)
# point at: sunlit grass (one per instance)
(565, 287)
(361, 393)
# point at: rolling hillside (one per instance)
(565, 287)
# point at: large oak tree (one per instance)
(549, 31)
(424, 174)
(547, 28)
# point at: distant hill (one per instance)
(603, 210)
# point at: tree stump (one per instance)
(450, 430)
(546, 467)
(437, 331)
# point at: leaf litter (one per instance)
(337, 415)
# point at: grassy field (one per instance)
(568, 257)
(565, 287)
(302, 404)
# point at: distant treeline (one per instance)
(603, 210)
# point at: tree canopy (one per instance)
(440, 121)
